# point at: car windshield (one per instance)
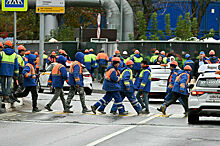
(209, 83)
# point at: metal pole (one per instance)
(121, 25)
(41, 48)
(15, 30)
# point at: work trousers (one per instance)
(58, 93)
(6, 85)
(169, 96)
(145, 102)
(101, 72)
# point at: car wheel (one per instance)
(88, 91)
(41, 90)
(193, 117)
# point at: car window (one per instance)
(208, 83)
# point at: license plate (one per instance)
(213, 99)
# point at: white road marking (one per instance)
(121, 131)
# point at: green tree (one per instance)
(195, 27)
(154, 29)
(141, 26)
(179, 27)
(210, 34)
(168, 26)
(187, 27)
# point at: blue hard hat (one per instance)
(187, 56)
(202, 52)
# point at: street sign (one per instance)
(14, 5)
(99, 19)
(50, 6)
(98, 32)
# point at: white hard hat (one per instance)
(125, 53)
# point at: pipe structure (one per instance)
(128, 19)
(51, 23)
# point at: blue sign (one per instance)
(14, 5)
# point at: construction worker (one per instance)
(212, 59)
(27, 53)
(142, 85)
(52, 58)
(63, 53)
(117, 54)
(30, 83)
(127, 88)
(1, 46)
(125, 56)
(88, 61)
(154, 57)
(137, 59)
(112, 88)
(9, 68)
(37, 62)
(102, 60)
(170, 83)
(76, 81)
(190, 63)
(179, 90)
(45, 56)
(165, 59)
(56, 79)
(94, 65)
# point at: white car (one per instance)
(159, 77)
(204, 99)
(43, 80)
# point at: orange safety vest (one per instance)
(26, 59)
(109, 72)
(102, 56)
(74, 64)
(56, 70)
(179, 78)
(32, 70)
(37, 62)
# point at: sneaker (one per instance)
(93, 109)
(67, 111)
(113, 112)
(159, 109)
(163, 110)
(124, 113)
(48, 108)
(36, 110)
(85, 110)
(102, 112)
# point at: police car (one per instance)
(43, 80)
(204, 99)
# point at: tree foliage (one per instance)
(142, 27)
(154, 29)
(195, 27)
(168, 26)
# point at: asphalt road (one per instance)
(20, 127)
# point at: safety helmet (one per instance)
(129, 62)
(1, 45)
(116, 59)
(36, 53)
(125, 53)
(53, 53)
(162, 53)
(60, 50)
(27, 52)
(86, 51)
(188, 68)
(156, 52)
(8, 44)
(187, 56)
(174, 63)
(91, 50)
(136, 52)
(21, 48)
(102, 50)
(202, 52)
(117, 52)
(212, 52)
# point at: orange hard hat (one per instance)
(187, 67)
(116, 59)
(21, 48)
(117, 52)
(174, 63)
(136, 52)
(212, 52)
(27, 52)
(62, 52)
(1, 45)
(156, 52)
(91, 50)
(53, 53)
(162, 53)
(36, 53)
(86, 51)
(8, 44)
(129, 62)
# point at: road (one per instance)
(20, 127)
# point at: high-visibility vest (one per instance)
(131, 76)
(142, 74)
(138, 60)
(165, 60)
(109, 72)
(9, 59)
(45, 56)
(20, 61)
(32, 70)
(153, 58)
(73, 66)
(56, 70)
(87, 58)
(102, 56)
(179, 78)
(125, 60)
(94, 58)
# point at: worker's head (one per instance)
(61, 59)
(53, 53)
(102, 50)
(212, 53)
(117, 52)
(125, 53)
(156, 52)
(86, 51)
(136, 52)
(130, 63)
(1, 46)
(79, 57)
(27, 52)
(36, 53)
(187, 56)
(144, 64)
(21, 50)
(163, 53)
(31, 59)
(91, 50)
(173, 65)
(116, 61)
(8, 44)
(188, 68)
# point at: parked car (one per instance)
(43, 80)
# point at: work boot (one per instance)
(67, 111)
(13, 98)
(85, 110)
(48, 108)
(36, 110)
(69, 106)
(102, 112)
(93, 109)
(145, 112)
(163, 110)
(113, 112)
(124, 113)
